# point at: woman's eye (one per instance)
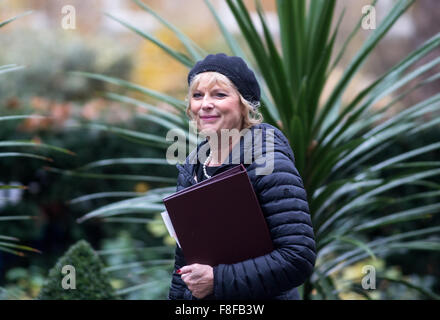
(197, 95)
(222, 95)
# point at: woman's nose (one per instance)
(207, 102)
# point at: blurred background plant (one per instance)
(55, 106)
(13, 190)
(85, 275)
(379, 210)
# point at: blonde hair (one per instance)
(251, 116)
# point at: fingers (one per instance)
(193, 271)
(198, 278)
(185, 269)
(190, 268)
(189, 273)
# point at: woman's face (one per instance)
(216, 107)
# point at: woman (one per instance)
(223, 97)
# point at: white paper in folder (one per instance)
(166, 219)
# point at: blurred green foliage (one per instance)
(139, 269)
(88, 279)
(54, 227)
(52, 56)
(23, 283)
(45, 87)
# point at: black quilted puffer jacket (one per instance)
(283, 201)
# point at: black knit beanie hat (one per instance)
(235, 69)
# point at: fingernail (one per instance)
(178, 271)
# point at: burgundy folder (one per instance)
(219, 220)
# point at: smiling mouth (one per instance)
(209, 118)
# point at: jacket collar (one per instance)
(244, 147)
(187, 169)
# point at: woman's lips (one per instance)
(209, 118)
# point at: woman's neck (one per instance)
(220, 152)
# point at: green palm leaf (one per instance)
(2, 24)
(182, 58)
(196, 52)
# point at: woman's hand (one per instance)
(199, 279)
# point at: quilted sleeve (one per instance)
(284, 203)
